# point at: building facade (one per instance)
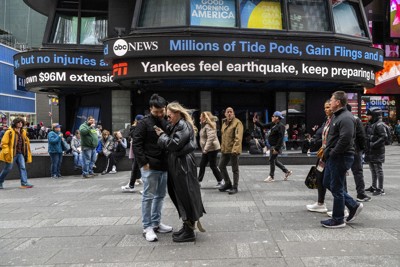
(105, 58)
(15, 101)
(22, 28)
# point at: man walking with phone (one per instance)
(153, 165)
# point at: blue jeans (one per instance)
(154, 191)
(19, 159)
(78, 161)
(334, 180)
(56, 160)
(89, 158)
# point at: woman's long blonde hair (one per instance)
(176, 107)
(210, 119)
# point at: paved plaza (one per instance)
(77, 222)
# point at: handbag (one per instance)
(65, 146)
(311, 179)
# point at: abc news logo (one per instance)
(121, 47)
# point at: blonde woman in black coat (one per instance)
(183, 186)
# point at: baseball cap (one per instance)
(278, 114)
(374, 110)
(57, 126)
(139, 117)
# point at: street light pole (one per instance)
(51, 97)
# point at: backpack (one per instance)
(388, 139)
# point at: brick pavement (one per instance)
(76, 222)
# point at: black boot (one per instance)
(187, 235)
(179, 232)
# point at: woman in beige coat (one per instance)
(209, 146)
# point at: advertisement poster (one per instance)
(217, 13)
(261, 14)
(394, 18)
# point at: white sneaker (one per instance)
(219, 184)
(127, 188)
(141, 192)
(346, 213)
(270, 179)
(317, 208)
(149, 234)
(287, 175)
(114, 170)
(163, 228)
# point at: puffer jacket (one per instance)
(208, 139)
(376, 135)
(231, 136)
(8, 146)
(54, 142)
(107, 145)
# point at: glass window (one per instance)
(297, 101)
(66, 30)
(261, 14)
(162, 13)
(348, 19)
(93, 30)
(308, 15)
(216, 13)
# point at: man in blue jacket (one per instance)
(339, 157)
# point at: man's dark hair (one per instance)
(341, 96)
(157, 101)
(17, 120)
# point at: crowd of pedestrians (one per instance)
(162, 146)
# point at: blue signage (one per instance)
(216, 13)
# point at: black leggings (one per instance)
(135, 173)
(321, 188)
(113, 158)
(212, 158)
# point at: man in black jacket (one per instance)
(275, 139)
(339, 157)
(375, 151)
(357, 167)
(152, 161)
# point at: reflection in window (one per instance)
(93, 30)
(163, 13)
(261, 14)
(308, 15)
(66, 30)
(217, 13)
(297, 102)
(348, 18)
